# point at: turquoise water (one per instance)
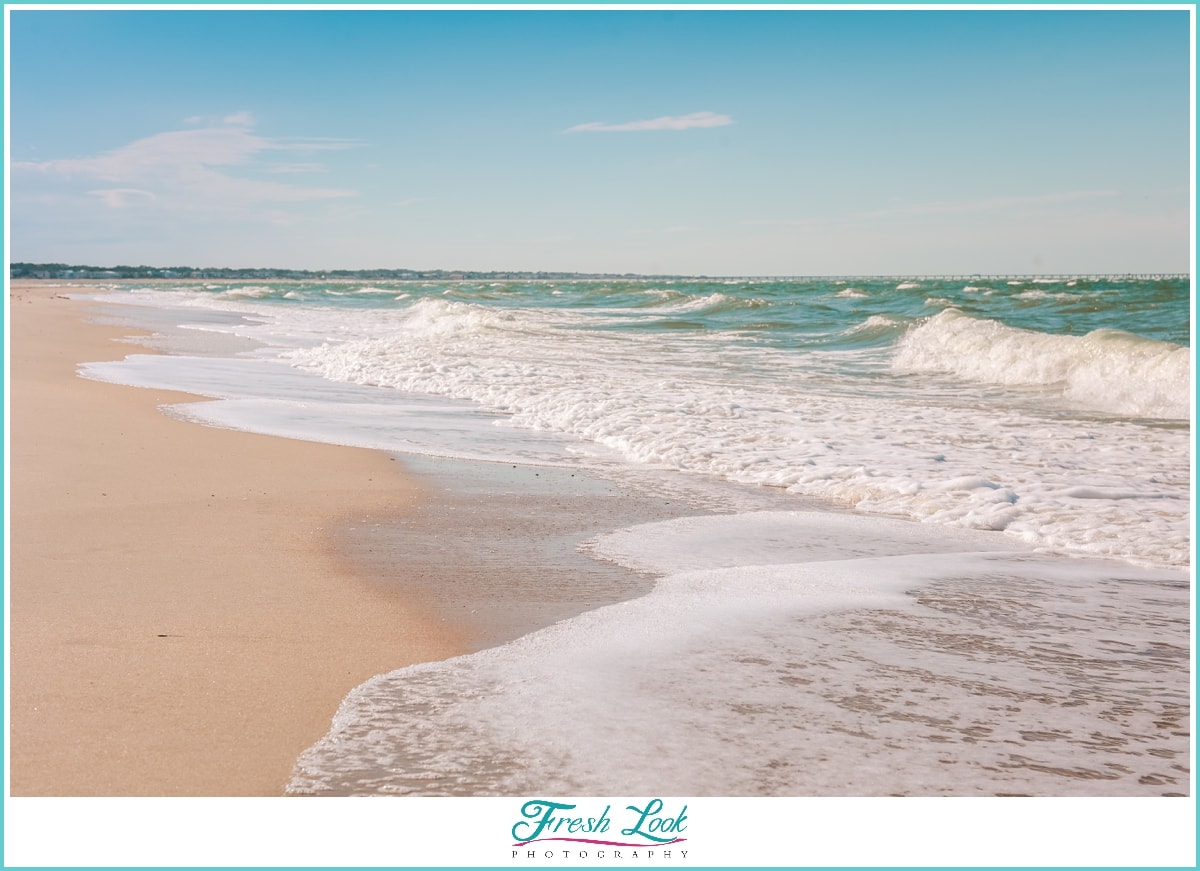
(1055, 409)
(793, 313)
(993, 596)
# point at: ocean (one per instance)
(926, 536)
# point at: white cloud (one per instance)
(666, 122)
(187, 171)
(239, 119)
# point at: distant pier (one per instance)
(1032, 276)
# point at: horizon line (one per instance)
(928, 275)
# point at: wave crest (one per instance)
(1105, 370)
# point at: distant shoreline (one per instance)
(61, 271)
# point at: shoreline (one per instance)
(181, 621)
(487, 550)
(376, 527)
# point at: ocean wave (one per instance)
(689, 406)
(710, 304)
(825, 417)
(876, 329)
(1104, 370)
(701, 303)
(252, 291)
(442, 319)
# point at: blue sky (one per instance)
(735, 142)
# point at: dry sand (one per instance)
(180, 622)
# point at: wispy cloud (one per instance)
(202, 170)
(666, 122)
(235, 119)
(239, 119)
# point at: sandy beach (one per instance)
(181, 622)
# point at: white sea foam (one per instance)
(691, 407)
(267, 397)
(700, 303)
(779, 538)
(1034, 295)
(925, 446)
(805, 672)
(1105, 370)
